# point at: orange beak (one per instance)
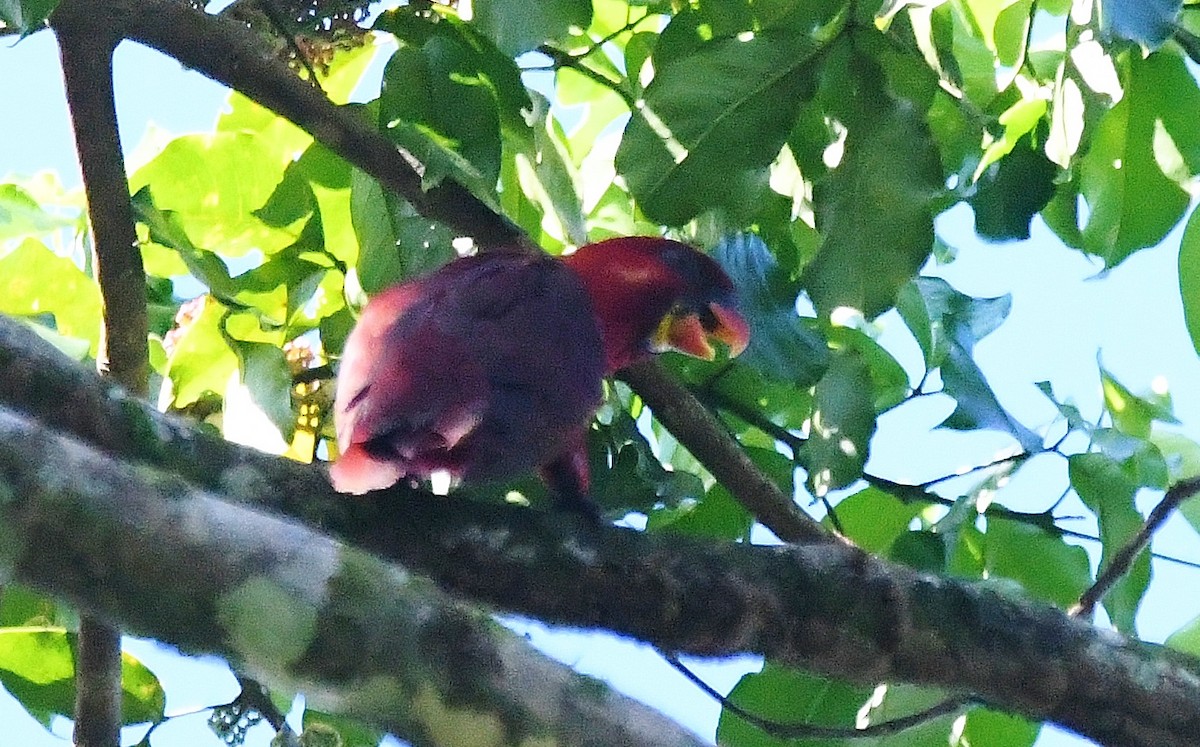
(687, 334)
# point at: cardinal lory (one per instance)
(493, 364)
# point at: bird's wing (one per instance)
(480, 369)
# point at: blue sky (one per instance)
(1063, 314)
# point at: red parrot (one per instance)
(493, 365)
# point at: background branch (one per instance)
(86, 50)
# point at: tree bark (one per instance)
(825, 607)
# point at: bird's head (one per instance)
(652, 294)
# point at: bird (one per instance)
(492, 366)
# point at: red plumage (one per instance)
(493, 364)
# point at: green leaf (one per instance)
(921, 550)
(21, 215)
(168, 228)
(788, 696)
(716, 516)
(889, 380)
(1045, 565)
(201, 360)
(1107, 489)
(26, 15)
(874, 209)
(540, 178)
(1187, 638)
(1176, 98)
(1189, 277)
(896, 700)
(626, 472)
(396, 243)
(294, 198)
(781, 347)
(1147, 22)
(1010, 192)
(1182, 457)
(947, 324)
(977, 406)
(266, 374)
(518, 26)
(37, 666)
(987, 728)
(1131, 414)
(843, 422)
(213, 184)
(36, 281)
(874, 519)
(436, 105)
(711, 122)
(1133, 202)
(21, 607)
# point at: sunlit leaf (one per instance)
(517, 26)
(37, 665)
(212, 184)
(1132, 414)
(36, 281)
(21, 215)
(843, 422)
(200, 361)
(711, 123)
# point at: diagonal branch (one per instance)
(692, 424)
(230, 54)
(1124, 559)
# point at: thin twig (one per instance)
(812, 731)
(694, 426)
(1123, 560)
(564, 60)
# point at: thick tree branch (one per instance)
(824, 606)
(146, 550)
(86, 50)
